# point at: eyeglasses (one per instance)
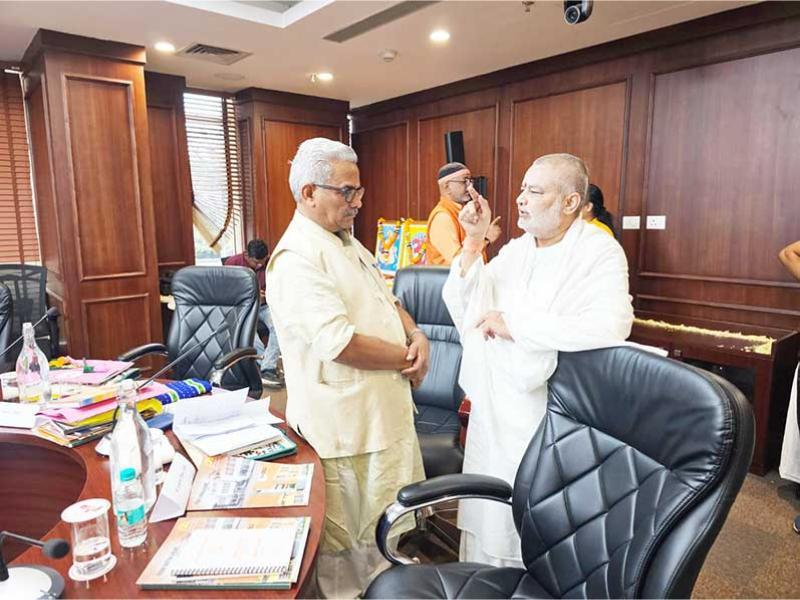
(348, 193)
(465, 181)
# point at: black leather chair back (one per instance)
(419, 290)
(6, 309)
(629, 478)
(205, 297)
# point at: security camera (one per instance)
(577, 11)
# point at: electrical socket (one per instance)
(656, 222)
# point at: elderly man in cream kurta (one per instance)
(562, 286)
(351, 355)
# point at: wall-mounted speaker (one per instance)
(454, 146)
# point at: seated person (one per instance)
(256, 257)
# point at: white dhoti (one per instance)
(357, 490)
(790, 452)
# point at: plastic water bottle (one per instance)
(33, 370)
(131, 445)
(129, 509)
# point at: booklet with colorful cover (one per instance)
(233, 482)
(229, 553)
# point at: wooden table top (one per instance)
(40, 479)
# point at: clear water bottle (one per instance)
(33, 370)
(131, 444)
(129, 509)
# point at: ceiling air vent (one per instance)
(383, 17)
(214, 54)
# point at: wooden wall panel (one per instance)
(386, 182)
(116, 324)
(725, 136)
(169, 159)
(589, 123)
(480, 142)
(102, 157)
(273, 124)
(281, 140)
(86, 98)
(698, 122)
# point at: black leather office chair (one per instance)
(419, 289)
(205, 299)
(622, 491)
(6, 308)
(28, 287)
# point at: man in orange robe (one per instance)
(445, 233)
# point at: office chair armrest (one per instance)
(136, 353)
(453, 485)
(225, 362)
(433, 491)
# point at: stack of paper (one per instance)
(101, 372)
(223, 422)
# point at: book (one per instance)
(268, 450)
(229, 553)
(233, 482)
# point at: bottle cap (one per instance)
(127, 474)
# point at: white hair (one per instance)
(312, 163)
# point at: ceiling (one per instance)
(286, 42)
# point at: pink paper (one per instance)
(73, 415)
(103, 369)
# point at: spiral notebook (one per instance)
(211, 552)
(229, 553)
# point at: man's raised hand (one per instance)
(476, 216)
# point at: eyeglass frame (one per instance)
(347, 197)
(465, 181)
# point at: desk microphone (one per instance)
(52, 313)
(202, 342)
(24, 580)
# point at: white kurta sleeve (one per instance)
(307, 304)
(467, 298)
(603, 317)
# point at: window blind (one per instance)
(211, 134)
(18, 239)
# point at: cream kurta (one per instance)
(568, 297)
(323, 289)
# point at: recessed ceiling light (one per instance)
(440, 36)
(164, 47)
(324, 76)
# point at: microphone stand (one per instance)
(32, 581)
(52, 313)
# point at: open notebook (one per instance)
(229, 553)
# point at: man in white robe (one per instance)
(562, 286)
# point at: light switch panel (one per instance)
(656, 222)
(631, 222)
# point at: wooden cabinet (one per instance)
(765, 378)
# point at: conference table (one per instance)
(38, 479)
